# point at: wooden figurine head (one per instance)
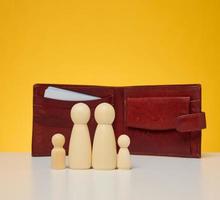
(104, 113)
(123, 141)
(80, 113)
(58, 140)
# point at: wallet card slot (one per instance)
(45, 102)
(67, 95)
(99, 91)
(54, 113)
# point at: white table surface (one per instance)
(25, 178)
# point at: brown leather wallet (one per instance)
(160, 120)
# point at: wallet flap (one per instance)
(191, 122)
(156, 113)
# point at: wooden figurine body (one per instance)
(58, 154)
(104, 155)
(123, 157)
(80, 143)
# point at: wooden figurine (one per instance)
(80, 144)
(123, 157)
(58, 154)
(104, 155)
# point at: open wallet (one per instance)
(163, 120)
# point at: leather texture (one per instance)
(156, 113)
(160, 120)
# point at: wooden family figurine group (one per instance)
(82, 155)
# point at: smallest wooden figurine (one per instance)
(123, 157)
(58, 154)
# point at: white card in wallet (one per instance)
(67, 95)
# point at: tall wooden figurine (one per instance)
(80, 143)
(104, 155)
(58, 154)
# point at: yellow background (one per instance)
(105, 43)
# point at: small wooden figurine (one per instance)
(58, 154)
(123, 157)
